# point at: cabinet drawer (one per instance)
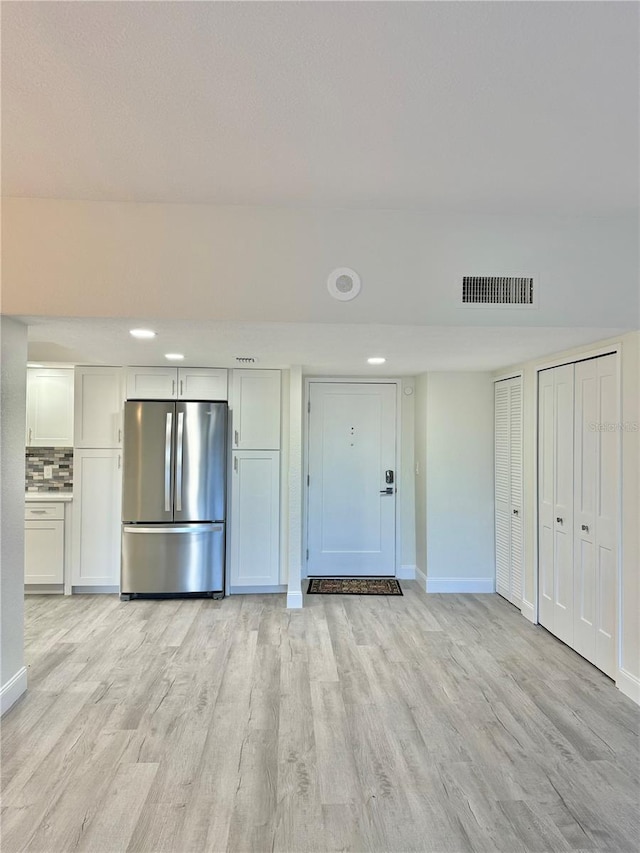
(43, 511)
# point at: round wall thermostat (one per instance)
(344, 284)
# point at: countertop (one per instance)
(48, 496)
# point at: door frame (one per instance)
(345, 380)
(614, 349)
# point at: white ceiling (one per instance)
(514, 107)
(321, 348)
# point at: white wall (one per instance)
(629, 676)
(106, 259)
(13, 344)
(407, 478)
(456, 533)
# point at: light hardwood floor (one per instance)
(435, 723)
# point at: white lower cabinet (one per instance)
(96, 519)
(255, 519)
(44, 544)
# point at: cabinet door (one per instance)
(98, 407)
(152, 383)
(96, 518)
(256, 409)
(49, 407)
(44, 552)
(255, 519)
(200, 383)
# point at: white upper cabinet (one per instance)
(202, 383)
(171, 383)
(256, 409)
(152, 383)
(49, 407)
(99, 396)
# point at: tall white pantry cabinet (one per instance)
(97, 492)
(508, 489)
(254, 518)
(578, 495)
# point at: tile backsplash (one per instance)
(61, 461)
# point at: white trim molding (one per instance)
(294, 600)
(13, 690)
(421, 578)
(629, 685)
(461, 584)
(406, 573)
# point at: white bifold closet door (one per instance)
(596, 511)
(555, 500)
(508, 489)
(577, 506)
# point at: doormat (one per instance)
(354, 586)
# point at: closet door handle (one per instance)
(515, 512)
(585, 527)
(559, 520)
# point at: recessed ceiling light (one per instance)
(174, 356)
(142, 333)
(376, 360)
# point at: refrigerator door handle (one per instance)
(192, 528)
(167, 463)
(179, 441)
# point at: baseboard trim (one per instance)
(406, 573)
(629, 685)
(256, 590)
(294, 600)
(474, 585)
(13, 690)
(95, 590)
(421, 578)
(528, 611)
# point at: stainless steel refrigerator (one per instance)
(173, 499)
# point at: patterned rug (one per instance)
(354, 586)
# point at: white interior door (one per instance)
(516, 538)
(546, 519)
(563, 502)
(351, 504)
(502, 466)
(596, 488)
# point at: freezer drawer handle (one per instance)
(179, 461)
(167, 464)
(192, 528)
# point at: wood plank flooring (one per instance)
(442, 723)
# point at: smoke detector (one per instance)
(344, 284)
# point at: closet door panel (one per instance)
(608, 438)
(502, 464)
(585, 459)
(545, 498)
(563, 502)
(515, 490)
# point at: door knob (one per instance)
(387, 491)
(559, 520)
(515, 512)
(585, 527)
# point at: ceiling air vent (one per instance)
(497, 290)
